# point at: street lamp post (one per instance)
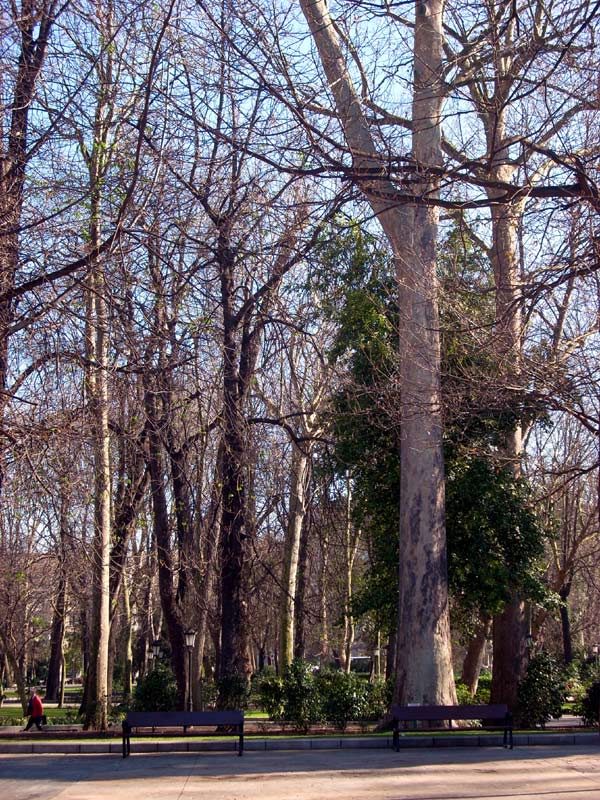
(190, 638)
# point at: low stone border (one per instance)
(308, 743)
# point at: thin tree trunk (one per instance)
(19, 677)
(300, 615)
(96, 714)
(351, 540)
(210, 542)
(325, 654)
(390, 661)
(205, 594)
(296, 516)
(376, 668)
(474, 656)
(63, 680)
(565, 621)
(85, 655)
(127, 652)
(56, 642)
(57, 632)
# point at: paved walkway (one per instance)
(528, 773)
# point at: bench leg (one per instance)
(508, 732)
(241, 744)
(126, 740)
(396, 737)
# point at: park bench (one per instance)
(231, 721)
(497, 713)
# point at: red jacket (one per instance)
(37, 709)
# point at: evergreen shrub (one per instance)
(463, 695)
(590, 705)
(302, 697)
(270, 695)
(588, 670)
(234, 691)
(541, 693)
(379, 698)
(481, 696)
(301, 701)
(343, 697)
(484, 688)
(157, 691)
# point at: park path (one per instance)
(536, 773)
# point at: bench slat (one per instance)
(415, 713)
(182, 719)
(159, 719)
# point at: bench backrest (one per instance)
(152, 719)
(411, 713)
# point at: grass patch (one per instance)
(13, 715)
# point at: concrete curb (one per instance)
(331, 743)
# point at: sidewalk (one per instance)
(540, 773)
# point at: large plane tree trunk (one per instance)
(423, 664)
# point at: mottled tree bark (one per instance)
(424, 663)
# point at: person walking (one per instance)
(35, 711)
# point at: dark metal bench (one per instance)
(498, 713)
(185, 720)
